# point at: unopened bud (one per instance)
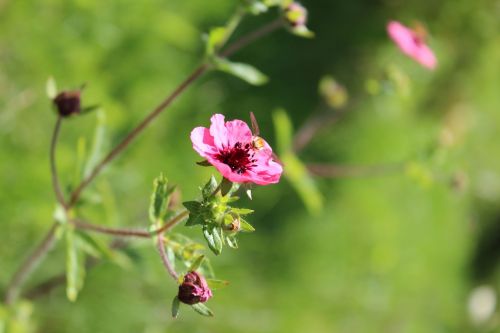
(296, 14)
(67, 103)
(194, 289)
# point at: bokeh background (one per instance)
(411, 250)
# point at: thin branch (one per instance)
(53, 167)
(173, 222)
(340, 171)
(251, 37)
(80, 224)
(29, 265)
(160, 244)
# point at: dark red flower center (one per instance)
(239, 157)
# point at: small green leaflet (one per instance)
(159, 199)
(175, 307)
(245, 72)
(75, 267)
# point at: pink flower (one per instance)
(194, 289)
(237, 154)
(412, 44)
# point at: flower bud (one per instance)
(194, 289)
(67, 103)
(296, 14)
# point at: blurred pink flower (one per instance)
(237, 154)
(412, 44)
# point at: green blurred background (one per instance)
(399, 252)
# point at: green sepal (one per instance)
(175, 307)
(245, 226)
(202, 309)
(217, 284)
(242, 211)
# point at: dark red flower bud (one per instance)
(67, 103)
(194, 289)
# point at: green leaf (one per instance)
(175, 307)
(89, 109)
(209, 188)
(216, 37)
(225, 186)
(295, 171)
(245, 72)
(51, 88)
(159, 199)
(196, 264)
(213, 238)
(75, 268)
(202, 309)
(242, 211)
(98, 144)
(217, 284)
(302, 31)
(245, 226)
(194, 220)
(193, 206)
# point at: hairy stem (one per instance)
(29, 265)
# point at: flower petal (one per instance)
(238, 131)
(218, 131)
(203, 142)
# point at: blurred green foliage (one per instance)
(396, 252)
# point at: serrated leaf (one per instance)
(213, 238)
(175, 307)
(209, 188)
(196, 264)
(202, 309)
(245, 72)
(159, 199)
(217, 284)
(75, 268)
(216, 37)
(51, 88)
(242, 211)
(194, 220)
(245, 226)
(192, 206)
